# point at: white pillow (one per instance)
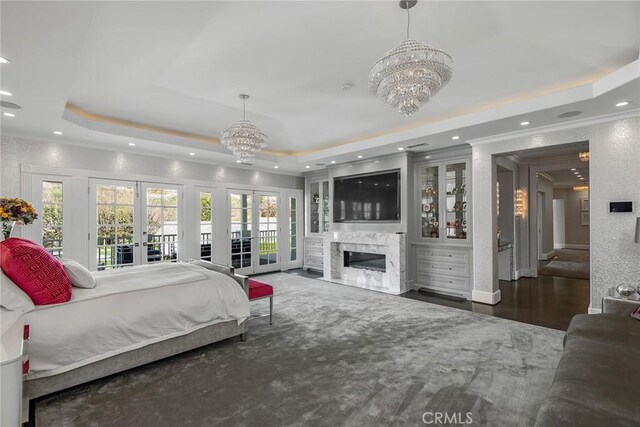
(80, 277)
(12, 297)
(211, 266)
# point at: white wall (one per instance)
(615, 174)
(558, 222)
(17, 151)
(576, 235)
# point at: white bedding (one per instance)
(128, 309)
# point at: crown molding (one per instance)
(555, 127)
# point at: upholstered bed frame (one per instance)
(33, 389)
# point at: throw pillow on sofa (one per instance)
(35, 271)
(78, 274)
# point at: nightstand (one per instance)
(11, 359)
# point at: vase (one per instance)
(7, 229)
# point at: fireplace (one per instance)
(365, 261)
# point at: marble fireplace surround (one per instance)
(391, 245)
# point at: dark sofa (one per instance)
(597, 382)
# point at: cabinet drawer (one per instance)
(314, 252)
(442, 267)
(437, 254)
(316, 260)
(442, 281)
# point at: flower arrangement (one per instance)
(15, 211)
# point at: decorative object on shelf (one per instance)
(429, 190)
(243, 138)
(15, 212)
(581, 187)
(584, 156)
(584, 218)
(463, 206)
(463, 188)
(410, 74)
(521, 202)
(464, 222)
(316, 198)
(625, 290)
(426, 207)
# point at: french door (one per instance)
(254, 231)
(133, 223)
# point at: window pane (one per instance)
(106, 194)
(51, 192)
(106, 214)
(124, 195)
(154, 197)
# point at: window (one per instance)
(206, 216)
(162, 224)
(115, 206)
(52, 224)
(293, 227)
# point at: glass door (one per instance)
(268, 232)
(241, 231)
(430, 201)
(456, 199)
(161, 233)
(114, 215)
(314, 207)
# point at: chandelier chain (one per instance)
(406, 2)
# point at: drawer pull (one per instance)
(450, 281)
(450, 268)
(450, 255)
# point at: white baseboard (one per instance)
(547, 256)
(594, 310)
(576, 247)
(491, 298)
(524, 272)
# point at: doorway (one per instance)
(133, 223)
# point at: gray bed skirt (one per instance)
(131, 359)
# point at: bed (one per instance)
(133, 316)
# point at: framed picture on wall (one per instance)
(584, 218)
(584, 205)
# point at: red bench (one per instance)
(259, 290)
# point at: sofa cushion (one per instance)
(613, 329)
(35, 271)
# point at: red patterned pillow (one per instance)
(35, 271)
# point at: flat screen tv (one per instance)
(367, 197)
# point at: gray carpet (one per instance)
(335, 356)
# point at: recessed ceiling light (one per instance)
(333, 162)
(622, 104)
(576, 173)
(360, 156)
(456, 137)
(5, 93)
(238, 161)
(581, 178)
(192, 154)
(8, 114)
(572, 169)
(525, 123)
(4, 60)
(57, 132)
(307, 167)
(568, 114)
(427, 157)
(400, 148)
(376, 184)
(276, 167)
(132, 144)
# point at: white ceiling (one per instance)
(177, 68)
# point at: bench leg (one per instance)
(271, 310)
(244, 337)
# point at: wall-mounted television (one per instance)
(367, 197)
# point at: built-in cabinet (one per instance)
(442, 250)
(317, 202)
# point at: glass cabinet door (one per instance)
(325, 205)
(314, 207)
(456, 199)
(429, 189)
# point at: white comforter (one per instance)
(128, 309)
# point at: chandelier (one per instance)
(410, 74)
(243, 138)
(584, 156)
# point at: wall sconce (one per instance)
(521, 202)
(581, 187)
(584, 156)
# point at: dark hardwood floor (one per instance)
(544, 301)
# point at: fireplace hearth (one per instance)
(365, 261)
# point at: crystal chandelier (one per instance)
(410, 74)
(584, 156)
(243, 138)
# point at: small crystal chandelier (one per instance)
(243, 138)
(584, 156)
(410, 74)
